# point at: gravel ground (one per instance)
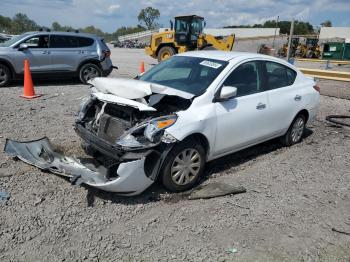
(295, 195)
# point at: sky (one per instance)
(109, 15)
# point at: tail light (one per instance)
(317, 88)
(106, 53)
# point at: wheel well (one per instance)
(161, 45)
(91, 61)
(8, 64)
(201, 139)
(305, 113)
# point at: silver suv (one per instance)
(55, 53)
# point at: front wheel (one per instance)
(88, 72)
(295, 132)
(183, 166)
(165, 52)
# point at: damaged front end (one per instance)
(131, 128)
(128, 126)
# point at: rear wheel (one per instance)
(295, 132)
(5, 75)
(88, 72)
(183, 166)
(165, 52)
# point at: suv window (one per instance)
(63, 41)
(279, 75)
(39, 41)
(245, 78)
(85, 41)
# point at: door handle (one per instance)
(260, 106)
(297, 98)
(46, 52)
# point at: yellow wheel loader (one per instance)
(187, 36)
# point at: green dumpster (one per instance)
(336, 51)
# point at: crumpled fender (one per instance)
(130, 180)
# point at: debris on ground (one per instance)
(340, 231)
(335, 119)
(215, 189)
(231, 251)
(4, 196)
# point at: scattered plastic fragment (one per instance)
(4, 196)
(231, 251)
(215, 189)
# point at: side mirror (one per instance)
(226, 93)
(23, 47)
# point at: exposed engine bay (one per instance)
(129, 124)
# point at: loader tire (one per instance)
(165, 52)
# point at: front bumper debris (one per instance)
(130, 178)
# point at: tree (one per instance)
(5, 24)
(148, 16)
(56, 26)
(300, 28)
(21, 23)
(326, 23)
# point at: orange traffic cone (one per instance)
(28, 91)
(142, 67)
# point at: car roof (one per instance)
(223, 55)
(62, 33)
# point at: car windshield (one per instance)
(14, 40)
(190, 74)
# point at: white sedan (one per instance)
(188, 110)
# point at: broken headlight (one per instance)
(154, 129)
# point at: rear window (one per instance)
(63, 41)
(85, 41)
(279, 75)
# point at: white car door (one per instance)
(285, 98)
(241, 121)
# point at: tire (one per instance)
(165, 52)
(5, 75)
(295, 132)
(89, 71)
(173, 177)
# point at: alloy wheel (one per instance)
(297, 129)
(90, 73)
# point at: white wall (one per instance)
(238, 32)
(242, 32)
(333, 32)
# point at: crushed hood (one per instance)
(133, 89)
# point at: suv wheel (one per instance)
(5, 75)
(295, 132)
(183, 166)
(89, 71)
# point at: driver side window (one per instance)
(41, 41)
(245, 78)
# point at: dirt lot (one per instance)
(295, 196)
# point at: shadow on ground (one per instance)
(157, 192)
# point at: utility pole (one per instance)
(290, 39)
(273, 43)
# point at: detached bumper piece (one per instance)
(129, 178)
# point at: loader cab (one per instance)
(188, 29)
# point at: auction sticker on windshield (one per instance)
(210, 64)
